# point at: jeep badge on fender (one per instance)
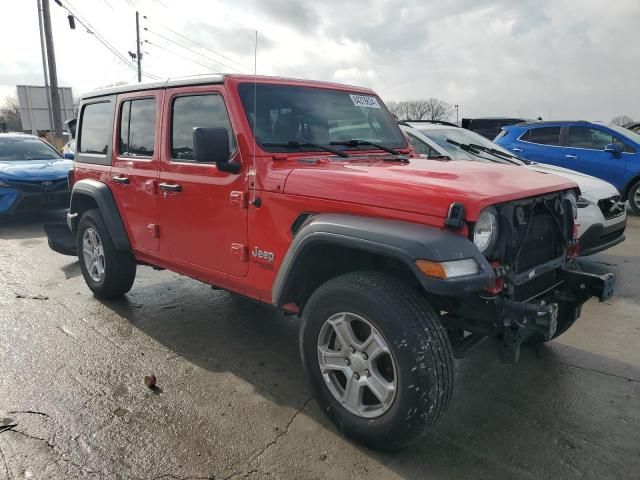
(262, 255)
(387, 294)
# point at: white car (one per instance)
(602, 218)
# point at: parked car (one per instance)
(602, 218)
(488, 127)
(634, 127)
(602, 150)
(304, 195)
(33, 175)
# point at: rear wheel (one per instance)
(108, 272)
(634, 197)
(379, 361)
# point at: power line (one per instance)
(176, 54)
(90, 29)
(205, 48)
(218, 62)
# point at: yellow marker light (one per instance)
(451, 269)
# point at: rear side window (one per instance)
(95, 128)
(194, 111)
(137, 127)
(543, 136)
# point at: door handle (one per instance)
(170, 187)
(518, 150)
(121, 179)
(572, 157)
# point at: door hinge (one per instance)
(239, 250)
(238, 198)
(154, 229)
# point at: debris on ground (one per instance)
(32, 297)
(150, 381)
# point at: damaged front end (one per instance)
(537, 291)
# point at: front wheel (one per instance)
(634, 197)
(108, 272)
(379, 361)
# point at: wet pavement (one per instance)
(231, 399)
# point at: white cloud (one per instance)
(570, 59)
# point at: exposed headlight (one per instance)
(571, 196)
(485, 232)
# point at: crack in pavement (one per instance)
(273, 442)
(4, 461)
(600, 372)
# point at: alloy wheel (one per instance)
(93, 254)
(357, 365)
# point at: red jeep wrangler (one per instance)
(306, 196)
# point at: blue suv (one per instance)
(605, 151)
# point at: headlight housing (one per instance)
(485, 233)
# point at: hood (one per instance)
(421, 187)
(589, 186)
(36, 169)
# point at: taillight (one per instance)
(71, 178)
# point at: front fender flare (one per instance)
(404, 241)
(103, 197)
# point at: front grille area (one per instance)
(39, 186)
(611, 207)
(540, 242)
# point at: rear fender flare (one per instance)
(103, 198)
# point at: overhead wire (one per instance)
(86, 24)
(176, 54)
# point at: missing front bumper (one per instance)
(522, 320)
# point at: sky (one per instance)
(558, 59)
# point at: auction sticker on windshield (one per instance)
(364, 101)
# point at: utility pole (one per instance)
(44, 68)
(53, 76)
(138, 54)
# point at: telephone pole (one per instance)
(138, 53)
(53, 75)
(47, 92)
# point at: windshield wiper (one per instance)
(475, 151)
(356, 143)
(507, 156)
(296, 144)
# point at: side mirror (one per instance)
(68, 155)
(614, 149)
(212, 145)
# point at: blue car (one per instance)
(33, 175)
(605, 151)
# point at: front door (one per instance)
(585, 153)
(134, 173)
(203, 217)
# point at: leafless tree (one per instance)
(428, 109)
(10, 113)
(622, 120)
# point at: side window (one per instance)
(95, 128)
(419, 146)
(189, 112)
(137, 127)
(590, 138)
(543, 136)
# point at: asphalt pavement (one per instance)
(232, 401)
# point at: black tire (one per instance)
(119, 266)
(634, 197)
(419, 346)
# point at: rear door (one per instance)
(134, 174)
(540, 144)
(203, 217)
(585, 153)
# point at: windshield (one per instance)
(27, 148)
(631, 135)
(467, 137)
(308, 115)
